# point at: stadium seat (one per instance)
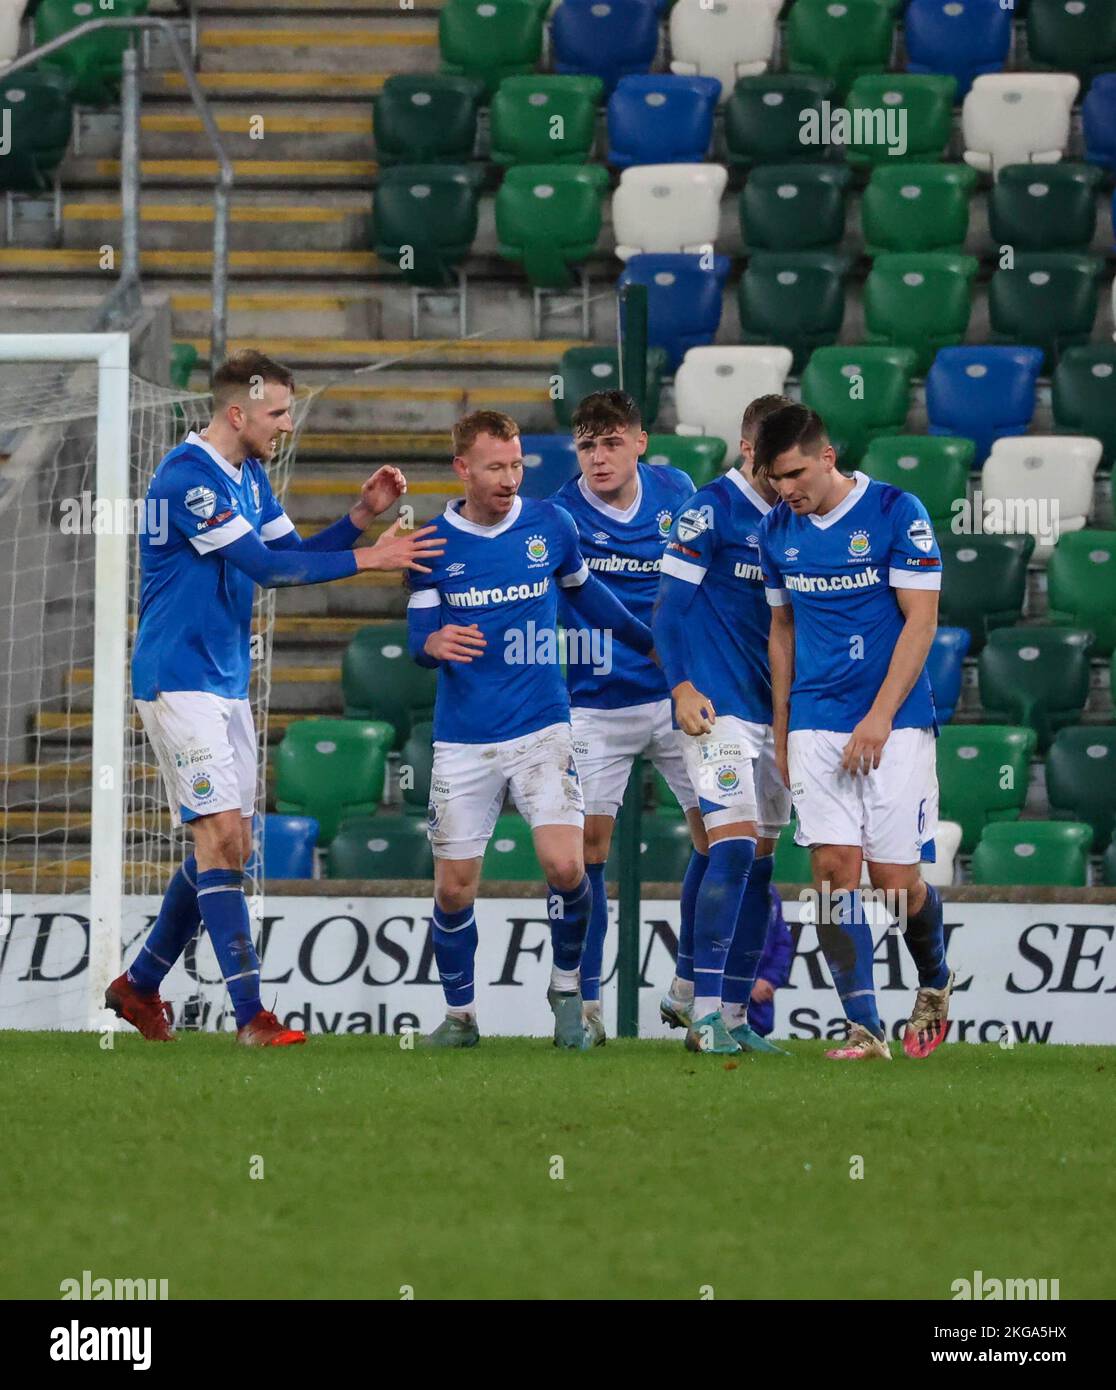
(1043, 484)
(1081, 584)
(608, 39)
(549, 460)
(1081, 779)
(947, 845)
(542, 119)
(41, 105)
(936, 470)
(1053, 208)
(700, 457)
(982, 393)
(584, 370)
(1072, 35)
(662, 208)
(796, 299)
(93, 64)
(287, 845)
(945, 667)
(920, 300)
(1108, 868)
(1084, 394)
(183, 360)
(792, 861)
(860, 392)
(11, 17)
(964, 40)
(984, 582)
(1038, 676)
(924, 101)
(984, 771)
(511, 851)
(661, 119)
(1017, 118)
(379, 847)
(424, 219)
(489, 39)
(330, 769)
(1049, 300)
(917, 207)
(794, 207)
(729, 40)
(380, 681)
(714, 384)
(684, 300)
(420, 118)
(1098, 121)
(665, 847)
(841, 39)
(1033, 853)
(548, 217)
(416, 761)
(764, 115)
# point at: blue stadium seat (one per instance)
(549, 460)
(963, 40)
(1098, 121)
(604, 38)
(287, 845)
(945, 666)
(659, 118)
(683, 300)
(982, 393)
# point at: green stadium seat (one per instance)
(490, 39)
(1048, 301)
(984, 771)
(548, 217)
(511, 851)
(926, 101)
(796, 300)
(424, 219)
(919, 300)
(1081, 779)
(1033, 853)
(1079, 38)
(840, 41)
(1084, 394)
(794, 207)
(763, 117)
(792, 862)
(93, 64)
(935, 468)
(524, 129)
(421, 118)
(416, 764)
(184, 358)
(584, 370)
(1081, 580)
(664, 850)
(380, 681)
(381, 847)
(330, 769)
(860, 392)
(917, 207)
(1048, 207)
(984, 582)
(665, 802)
(41, 105)
(1038, 676)
(701, 456)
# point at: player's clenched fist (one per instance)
(384, 487)
(693, 710)
(455, 643)
(401, 551)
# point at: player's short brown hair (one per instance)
(757, 412)
(794, 426)
(493, 422)
(245, 369)
(605, 411)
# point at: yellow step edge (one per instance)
(452, 395)
(174, 124)
(62, 772)
(28, 258)
(249, 168)
(549, 350)
(324, 487)
(271, 303)
(53, 722)
(423, 36)
(186, 212)
(374, 439)
(270, 82)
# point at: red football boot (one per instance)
(265, 1030)
(147, 1012)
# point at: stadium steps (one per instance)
(340, 47)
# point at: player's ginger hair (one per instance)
(757, 412)
(245, 370)
(493, 422)
(795, 426)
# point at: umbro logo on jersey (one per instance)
(792, 553)
(458, 567)
(601, 537)
(201, 501)
(753, 539)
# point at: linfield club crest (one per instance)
(859, 544)
(536, 549)
(666, 521)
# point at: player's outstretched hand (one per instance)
(866, 744)
(401, 551)
(384, 487)
(453, 642)
(693, 710)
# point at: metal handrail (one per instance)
(129, 180)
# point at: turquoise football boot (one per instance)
(569, 1026)
(751, 1041)
(454, 1032)
(709, 1034)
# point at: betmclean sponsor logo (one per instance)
(989, 1290)
(95, 1290)
(481, 598)
(623, 564)
(751, 572)
(77, 1343)
(837, 125)
(829, 584)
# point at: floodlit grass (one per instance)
(384, 1167)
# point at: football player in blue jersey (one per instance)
(485, 617)
(711, 627)
(623, 511)
(225, 533)
(853, 571)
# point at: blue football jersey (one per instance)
(624, 549)
(195, 615)
(839, 573)
(714, 544)
(505, 578)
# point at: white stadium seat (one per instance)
(725, 39)
(713, 386)
(947, 842)
(11, 13)
(1046, 480)
(1017, 118)
(667, 207)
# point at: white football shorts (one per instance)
(206, 749)
(733, 772)
(606, 742)
(469, 781)
(889, 812)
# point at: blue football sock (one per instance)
(751, 932)
(847, 946)
(569, 922)
(691, 883)
(455, 950)
(718, 907)
(592, 957)
(179, 918)
(224, 911)
(925, 938)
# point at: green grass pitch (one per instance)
(385, 1168)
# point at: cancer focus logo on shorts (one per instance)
(201, 784)
(536, 550)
